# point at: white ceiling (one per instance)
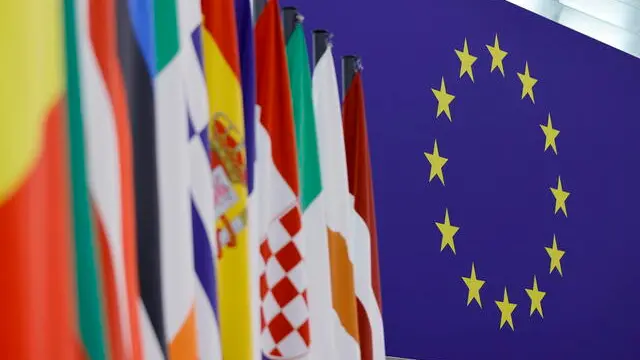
(614, 22)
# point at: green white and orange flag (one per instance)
(222, 70)
(337, 206)
(38, 311)
(312, 201)
(174, 186)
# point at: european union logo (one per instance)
(437, 163)
(514, 234)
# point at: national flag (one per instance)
(108, 145)
(250, 109)
(202, 211)
(314, 233)
(222, 69)
(91, 311)
(38, 299)
(283, 279)
(337, 206)
(176, 233)
(136, 44)
(367, 273)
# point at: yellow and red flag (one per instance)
(36, 281)
(228, 162)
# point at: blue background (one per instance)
(498, 178)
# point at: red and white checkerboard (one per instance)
(284, 310)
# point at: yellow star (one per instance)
(555, 254)
(497, 55)
(444, 100)
(550, 135)
(474, 284)
(448, 231)
(527, 83)
(437, 162)
(561, 198)
(466, 61)
(506, 309)
(536, 297)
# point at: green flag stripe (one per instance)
(303, 115)
(166, 31)
(89, 282)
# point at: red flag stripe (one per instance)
(38, 302)
(361, 187)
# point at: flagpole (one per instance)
(350, 67)
(258, 6)
(290, 17)
(320, 40)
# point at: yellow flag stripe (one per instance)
(32, 81)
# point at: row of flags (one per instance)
(176, 182)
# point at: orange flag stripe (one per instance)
(184, 344)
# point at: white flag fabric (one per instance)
(174, 183)
(342, 316)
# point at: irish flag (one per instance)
(38, 302)
(312, 201)
(283, 279)
(338, 209)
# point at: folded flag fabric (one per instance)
(367, 273)
(37, 256)
(338, 208)
(228, 162)
(176, 233)
(283, 279)
(90, 303)
(110, 165)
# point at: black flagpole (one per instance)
(350, 67)
(290, 17)
(258, 6)
(320, 40)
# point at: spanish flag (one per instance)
(36, 281)
(222, 71)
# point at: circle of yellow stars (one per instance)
(437, 164)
